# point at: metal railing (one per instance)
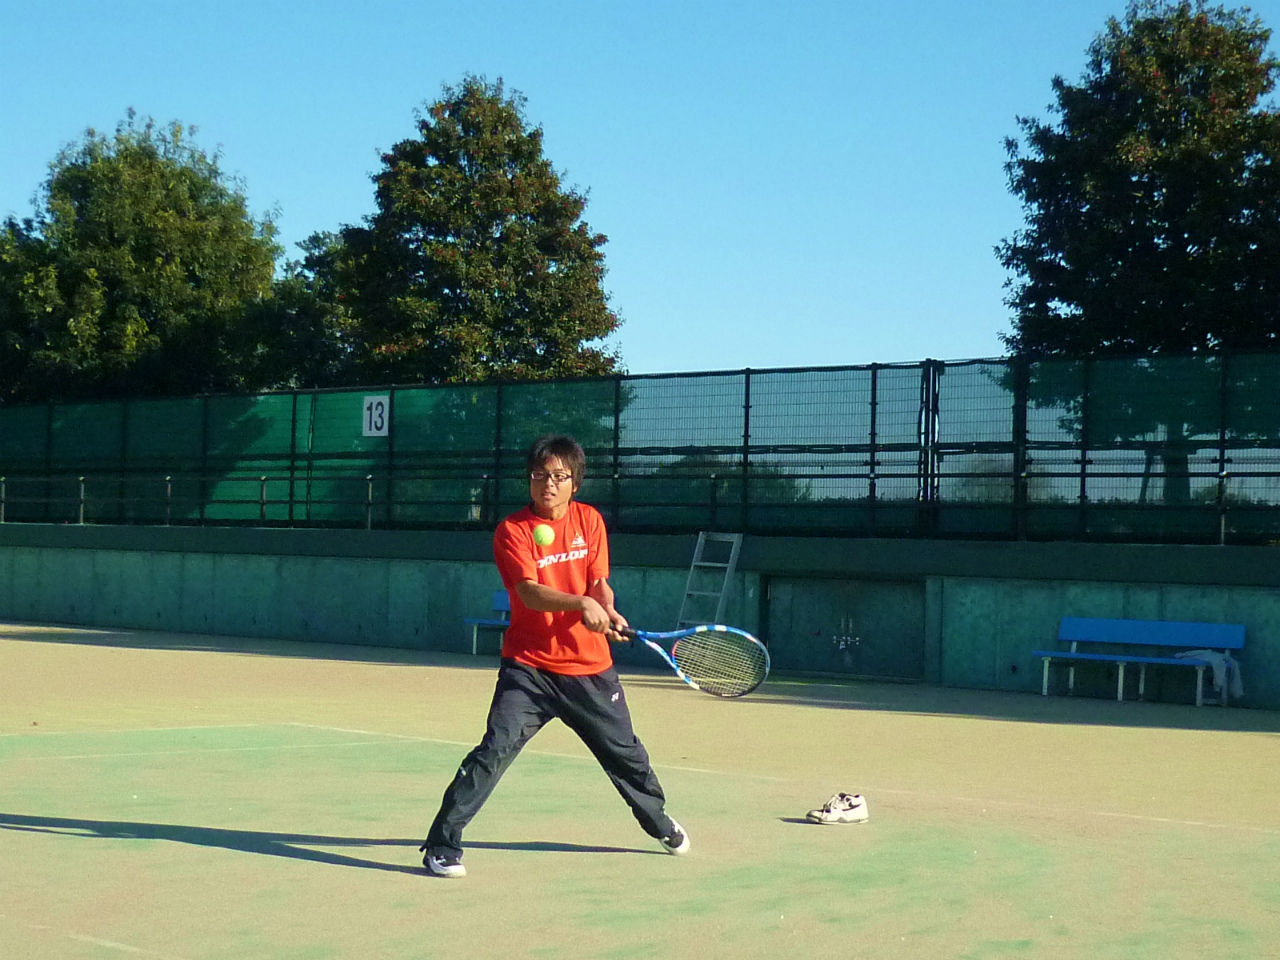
(997, 506)
(1168, 450)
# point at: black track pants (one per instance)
(594, 707)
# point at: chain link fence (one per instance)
(1183, 449)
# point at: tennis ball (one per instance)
(543, 535)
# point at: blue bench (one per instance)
(1094, 640)
(500, 620)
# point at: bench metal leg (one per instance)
(1044, 685)
(475, 630)
(1071, 680)
(1120, 682)
(1199, 686)
(1142, 681)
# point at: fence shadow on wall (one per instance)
(1182, 449)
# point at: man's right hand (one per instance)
(594, 616)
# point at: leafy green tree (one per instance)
(135, 274)
(27, 283)
(1153, 225)
(1153, 205)
(477, 264)
(302, 336)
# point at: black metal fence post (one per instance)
(745, 521)
(616, 464)
(496, 505)
(293, 453)
(928, 482)
(1021, 389)
(204, 458)
(873, 459)
(1224, 387)
(391, 455)
(1086, 389)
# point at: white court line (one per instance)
(379, 738)
(66, 733)
(536, 752)
(175, 753)
(727, 773)
(122, 947)
(378, 733)
(366, 733)
(1187, 823)
(376, 738)
(1062, 812)
(98, 941)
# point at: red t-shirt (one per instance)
(577, 557)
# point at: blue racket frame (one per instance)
(654, 641)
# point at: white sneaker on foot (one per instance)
(677, 841)
(444, 865)
(841, 808)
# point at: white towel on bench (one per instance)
(1226, 671)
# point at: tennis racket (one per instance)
(719, 660)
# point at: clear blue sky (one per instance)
(782, 184)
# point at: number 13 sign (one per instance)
(377, 421)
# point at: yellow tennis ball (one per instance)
(543, 535)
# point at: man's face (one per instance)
(551, 498)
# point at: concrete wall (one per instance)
(390, 589)
(955, 613)
(992, 624)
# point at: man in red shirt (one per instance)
(553, 557)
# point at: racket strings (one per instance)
(722, 663)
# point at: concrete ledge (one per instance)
(863, 559)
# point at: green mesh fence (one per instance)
(1183, 449)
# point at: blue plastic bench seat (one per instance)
(1111, 642)
(502, 620)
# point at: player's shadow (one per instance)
(295, 846)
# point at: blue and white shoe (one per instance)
(841, 808)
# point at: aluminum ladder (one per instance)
(715, 559)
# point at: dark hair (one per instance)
(564, 447)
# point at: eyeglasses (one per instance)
(541, 476)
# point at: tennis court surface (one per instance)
(188, 797)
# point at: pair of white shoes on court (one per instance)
(841, 808)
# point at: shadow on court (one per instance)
(294, 846)
(247, 646)
(824, 692)
(926, 700)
